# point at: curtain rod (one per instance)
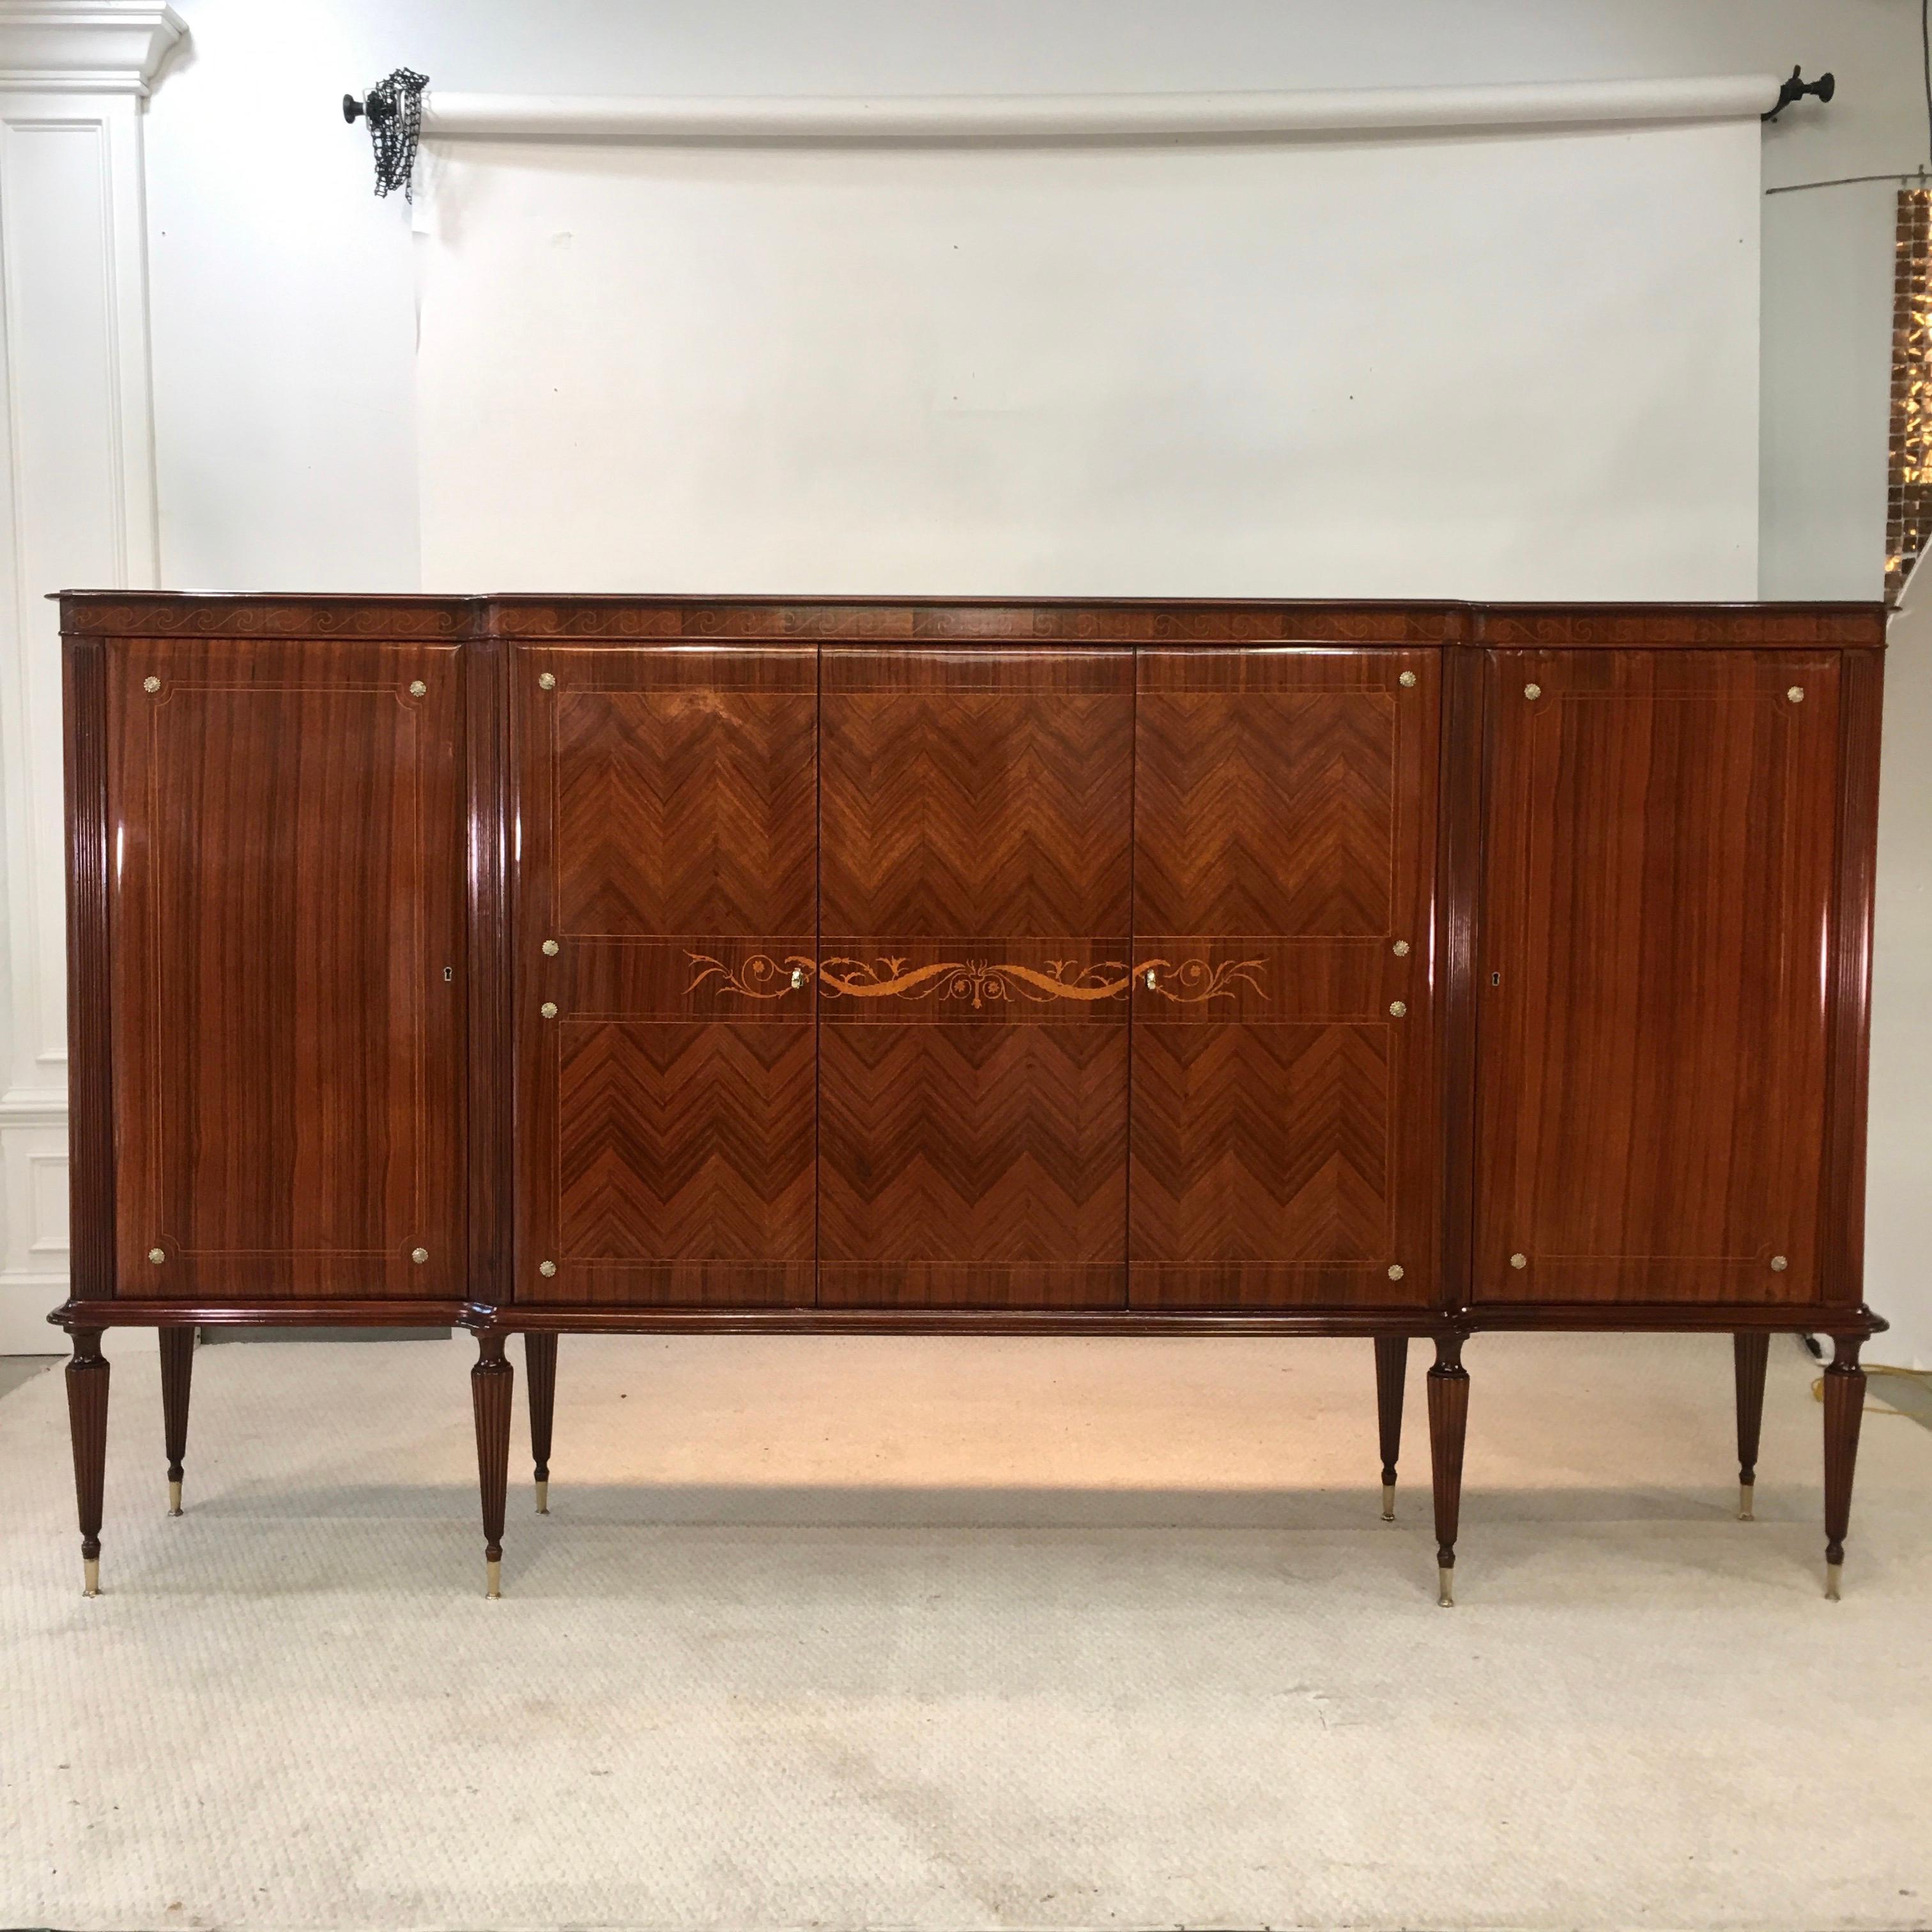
(449, 116)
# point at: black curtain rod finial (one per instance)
(353, 110)
(1797, 88)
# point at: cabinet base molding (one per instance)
(1394, 1324)
(115, 1313)
(1671, 1318)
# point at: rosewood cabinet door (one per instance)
(972, 972)
(666, 878)
(1284, 1083)
(1659, 851)
(287, 911)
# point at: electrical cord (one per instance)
(1921, 1376)
(1918, 174)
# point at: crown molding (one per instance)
(85, 46)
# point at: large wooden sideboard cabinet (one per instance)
(555, 965)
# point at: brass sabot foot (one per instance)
(1388, 1502)
(493, 1567)
(1744, 1495)
(1448, 1599)
(1833, 1571)
(90, 1568)
(174, 1498)
(543, 1495)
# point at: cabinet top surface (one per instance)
(566, 619)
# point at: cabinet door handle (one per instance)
(797, 977)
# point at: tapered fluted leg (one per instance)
(177, 1370)
(1844, 1408)
(491, 1384)
(87, 1420)
(1391, 1368)
(1448, 1422)
(540, 1366)
(1752, 1352)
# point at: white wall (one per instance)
(76, 500)
(1898, 1225)
(283, 329)
(284, 324)
(1218, 369)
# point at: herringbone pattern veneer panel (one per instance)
(684, 811)
(686, 1142)
(1262, 1143)
(977, 825)
(1265, 812)
(997, 1145)
(1285, 822)
(954, 814)
(976, 1083)
(666, 1033)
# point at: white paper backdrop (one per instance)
(1512, 364)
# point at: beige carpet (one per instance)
(934, 1633)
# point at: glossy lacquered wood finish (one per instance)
(485, 631)
(1448, 1428)
(1844, 1410)
(1659, 871)
(177, 1385)
(1848, 979)
(1284, 1075)
(1391, 1375)
(88, 1377)
(492, 975)
(709, 792)
(620, 621)
(90, 962)
(987, 1320)
(1458, 875)
(972, 972)
(1750, 1355)
(540, 1372)
(1677, 627)
(492, 1384)
(287, 909)
(666, 819)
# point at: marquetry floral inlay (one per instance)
(1185, 982)
(977, 980)
(760, 977)
(1189, 982)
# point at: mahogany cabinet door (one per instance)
(977, 815)
(1659, 844)
(1284, 1084)
(667, 864)
(286, 902)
